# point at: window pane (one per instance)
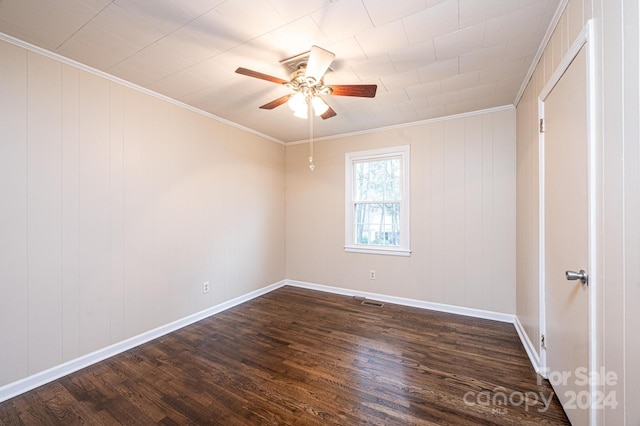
(393, 180)
(377, 223)
(361, 170)
(377, 180)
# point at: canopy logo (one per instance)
(500, 399)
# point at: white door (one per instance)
(566, 236)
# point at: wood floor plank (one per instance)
(301, 357)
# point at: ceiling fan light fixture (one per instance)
(306, 84)
(297, 102)
(319, 105)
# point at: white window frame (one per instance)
(402, 152)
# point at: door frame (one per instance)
(585, 39)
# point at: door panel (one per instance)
(567, 238)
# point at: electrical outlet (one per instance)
(372, 274)
(205, 287)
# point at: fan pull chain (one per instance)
(310, 115)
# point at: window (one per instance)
(377, 201)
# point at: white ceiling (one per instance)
(429, 58)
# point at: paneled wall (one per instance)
(617, 92)
(462, 214)
(115, 207)
(575, 16)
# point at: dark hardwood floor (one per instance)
(302, 357)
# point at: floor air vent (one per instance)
(372, 303)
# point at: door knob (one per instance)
(582, 276)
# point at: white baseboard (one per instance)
(31, 382)
(470, 312)
(528, 346)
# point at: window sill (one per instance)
(385, 251)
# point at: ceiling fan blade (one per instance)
(276, 102)
(328, 114)
(319, 61)
(360, 90)
(260, 75)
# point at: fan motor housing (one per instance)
(300, 83)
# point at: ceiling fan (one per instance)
(307, 84)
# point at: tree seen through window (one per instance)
(377, 198)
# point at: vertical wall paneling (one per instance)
(200, 239)
(458, 182)
(162, 135)
(414, 270)
(473, 214)
(631, 23)
(488, 221)
(503, 211)
(70, 213)
(218, 216)
(116, 212)
(527, 282)
(94, 220)
(196, 242)
(454, 206)
(576, 16)
(180, 198)
(133, 213)
(613, 162)
(13, 213)
(116, 207)
(44, 215)
(206, 215)
(618, 242)
(172, 203)
(436, 271)
(147, 196)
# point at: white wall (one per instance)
(619, 145)
(618, 177)
(462, 215)
(115, 207)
